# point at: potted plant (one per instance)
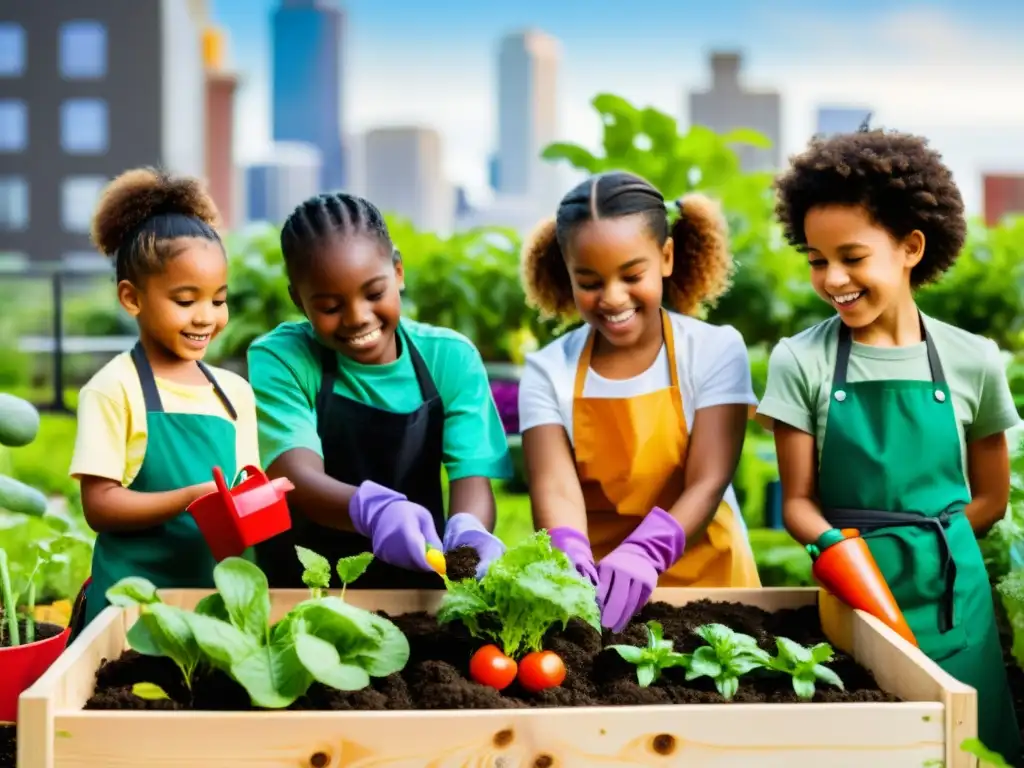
(27, 647)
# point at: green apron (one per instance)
(891, 467)
(181, 450)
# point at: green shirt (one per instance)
(800, 378)
(285, 374)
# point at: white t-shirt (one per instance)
(713, 369)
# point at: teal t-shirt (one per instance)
(800, 378)
(284, 371)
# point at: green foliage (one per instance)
(653, 658)
(323, 639)
(531, 588)
(27, 561)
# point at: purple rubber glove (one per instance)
(628, 574)
(576, 546)
(399, 529)
(464, 530)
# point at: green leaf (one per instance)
(646, 674)
(574, 154)
(392, 652)
(132, 590)
(804, 687)
(827, 675)
(986, 756)
(727, 685)
(272, 675)
(821, 652)
(630, 653)
(220, 641)
(149, 691)
(703, 663)
(246, 595)
(655, 634)
(169, 630)
(793, 651)
(747, 136)
(322, 661)
(351, 568)
(317, 573)
(213, 606)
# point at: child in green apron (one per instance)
(887, 420)
(154, 421)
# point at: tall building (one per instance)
(89, 88)
(1003, 196)
(307, 88)
(527, 115)
(834, 119)
(727, 105)
(405, 176)
(288, 174)
(221, 86)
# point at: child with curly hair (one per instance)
(153, 422)
(889, 421)
(633, 424)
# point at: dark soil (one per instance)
(43, 630)
(8, 746)
(461, 563)
(436, 675)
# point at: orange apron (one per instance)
(630, 457)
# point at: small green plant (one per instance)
(727, 656)
(805, 665)
(987, 758)
(316, 572)
(323, 639)
(656, 656)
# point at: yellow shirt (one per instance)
(111, 439)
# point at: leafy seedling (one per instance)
(805, 665)
(351, 568)
(656, 656)
(727, 656)
(323, 639)
(316, 572)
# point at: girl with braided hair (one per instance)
(361, 408)
(633, 424)
(155, 421)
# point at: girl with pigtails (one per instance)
(634, 422)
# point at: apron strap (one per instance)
(218, 390)
(583, 366)
(151, 393)
(867, 520)
(846, 345)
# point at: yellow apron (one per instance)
(630, 457)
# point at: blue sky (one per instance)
(947, 69)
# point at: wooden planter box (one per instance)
(925, 729)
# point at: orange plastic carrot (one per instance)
(848, 570)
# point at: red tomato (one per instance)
(540, 670)
(489, 666)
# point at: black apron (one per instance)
(401, 451)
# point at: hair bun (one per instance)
(138, 194)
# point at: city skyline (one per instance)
(910, 62)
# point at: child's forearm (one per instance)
(475, 496)
(803, 520)
(110, 507)
(317, 496)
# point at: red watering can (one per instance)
(234, 519)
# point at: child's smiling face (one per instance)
(857, 266)
(183, 306)
(350, 291)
